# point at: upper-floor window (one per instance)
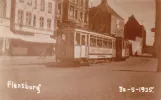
(41, 22)
(81, 16)
(71, 11)
(50, 7)
(59, 8)
(76, 14)
(35, 4)
(21, 1)
(2, 8)
(81, 2)
(20, 17)
(48, 23)
(29, 2)
(118, 24)
(34, 21)
(42, 5)
(28, 18)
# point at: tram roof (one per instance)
(94, 33)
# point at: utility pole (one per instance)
(157, 43)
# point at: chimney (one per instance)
(103, 1)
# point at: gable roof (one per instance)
(132, 18)
(106, 8)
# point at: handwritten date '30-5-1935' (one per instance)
(137, 89)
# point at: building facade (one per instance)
(59, 13)
(105, 20)
(5, 9)
(31, 24)
(76, 11)
(136, 34)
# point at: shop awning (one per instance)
(36, 39)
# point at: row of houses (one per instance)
(26, 26)
(103, 19)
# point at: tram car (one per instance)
(77, 45)
(122, 49)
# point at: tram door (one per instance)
(118, 48)
(83, 47)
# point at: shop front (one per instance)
(25, 45)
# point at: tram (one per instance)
(77, 45)
(122, 49)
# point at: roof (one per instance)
(106, 8)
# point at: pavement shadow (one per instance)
(65, 65)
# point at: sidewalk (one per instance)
(15, 60)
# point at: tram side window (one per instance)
(114, 46)
(78, 38)
(83, 40)
(93, 41)
(99, 42)
(110, 44)
(104, 43)
(123, 44)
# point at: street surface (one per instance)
(95, 82)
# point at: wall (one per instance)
(136, 46)
(114, 28)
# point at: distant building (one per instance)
(136, 34)
(31, 24)
(105, 20)
(76, 11)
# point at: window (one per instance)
(114, 46)
(104, 43)
(35, 4)
(78, 38)
(123, 45)
(109, 44)
(71, 11)
(58, 23)
(50, 7)
(81, 16)
(29, 2)
(41, 22)
(99, 42)
(59, 8)
(42, 5)
(34, 20)
(93, 41)
(76, 14)
(83, 41)
(21, 1)
(2, 8)
(20, 17)
(28, 18)
(49, 23)
(81, 2)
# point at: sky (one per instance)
(143, 10)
